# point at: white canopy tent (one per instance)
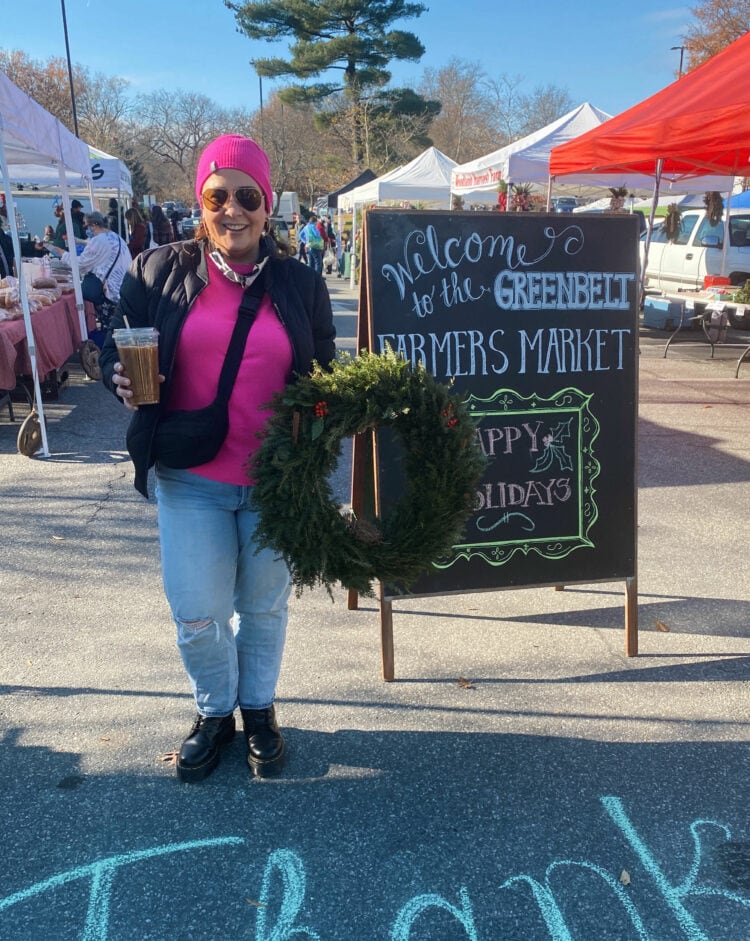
(427, 178)
(684, 201)
(103, 172)
(527, 161)
(109, 173)
(31, 137)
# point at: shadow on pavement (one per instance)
(388, 834)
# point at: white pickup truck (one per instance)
(697, 251)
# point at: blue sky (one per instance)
(609, 52)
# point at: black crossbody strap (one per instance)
(114, 262)
(249, 305)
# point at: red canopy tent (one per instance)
(698, 125)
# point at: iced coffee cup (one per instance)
(138, 349)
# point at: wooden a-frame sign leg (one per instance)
(364, 500)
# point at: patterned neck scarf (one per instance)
(244, 279)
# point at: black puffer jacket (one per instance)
(160, 289)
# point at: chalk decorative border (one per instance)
(508, 402)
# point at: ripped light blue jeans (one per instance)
(229, 604)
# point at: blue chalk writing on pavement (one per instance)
(674, 895)
(292, 871)
(101, 874)
(421, 903)
(550, 910)
(276, 921)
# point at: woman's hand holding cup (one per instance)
(122, 384)
(121, 381)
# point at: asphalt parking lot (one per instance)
(521, 779)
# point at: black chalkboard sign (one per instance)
(534, 319)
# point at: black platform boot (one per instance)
(265, 743)
(201, 750)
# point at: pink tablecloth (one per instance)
(57, 335)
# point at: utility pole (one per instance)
(682, 53)
(260, 86)
(70, 69)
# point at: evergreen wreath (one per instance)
(301, 445)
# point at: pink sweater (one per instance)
(265, 369)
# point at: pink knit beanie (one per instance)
(232, 152)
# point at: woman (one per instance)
(7, 254)
(60, 238)
(138, 232)
(103, 262)
(162, 227)
(229, 603)
(116, 218)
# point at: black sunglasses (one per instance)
(247, 196)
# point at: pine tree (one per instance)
(352, 36)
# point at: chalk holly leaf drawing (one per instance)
(554, 450)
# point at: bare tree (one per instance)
(102, 107)
(545, 104)
(467, 125)
(174, 127)
(719, 23)
(521, 113)
(294, 146)
(46, 82)
(178, 126)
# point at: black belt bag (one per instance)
(189, 438)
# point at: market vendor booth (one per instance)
(31, 137)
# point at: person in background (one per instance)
(60, 239)
(103, 262)
(174, 221)
(329, 242)
(116, 220)
(314, 244)
(293, 233)
(340, 241)
(79, 220)
(161, 226)
(32, 248)
(7, 255)
(138, 232)
(228, 600)
(301, 243)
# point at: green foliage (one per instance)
(742, 295)
(346, 34)
(352, 37)
(301, 447)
